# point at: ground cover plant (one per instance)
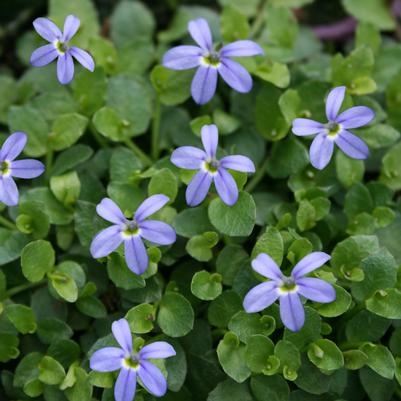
(199, 200)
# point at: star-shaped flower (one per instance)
(211, 61)
(335, 131)
(288, 289)
(132, 231)
(132, 364)
(210, 169)
(9, 167)
(59, 48)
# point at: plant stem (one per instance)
(23, 287)
(259, 20)
(156, 129)
(7, 223)
(260, 173)
(146, 160)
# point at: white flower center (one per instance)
(211, 166)
(211, 59)
(333, 129)
(130, 229)
(60, 46)
(287, 285)
(5, 170)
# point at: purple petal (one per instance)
(321, 151)
(356, 117)
(351, 145)
(334, 101)
(182, 57)
(198, 188)
(125, 387)
(65, 68)
(238, 163)
(135, 255)
(292, 311)
(226, 187)
(210, 140)
(260, 297)
(188, 157)
(106, 242)
(316, 290)
(241, 48)
(305, 127)
(309, 263)
(235, 75)
(71, 25)
(108, 210)
(157, 350)
(83, 58)
(13, 146)
(150, 206)
(47, 29)
(157, 232)
(267, 267)
(200, 32)
(152, 378)
(107, 359)
(204, 84)
(122, 334)
(28, 168)
(43, 55)
(8, 191)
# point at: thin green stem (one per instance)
(23, 287)
(156, 129)
(7, 223)
(260, 173)
(259, 19)
(49, 162)
(146, 160)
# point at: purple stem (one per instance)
(346, 27)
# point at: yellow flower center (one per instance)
(5, 168)
(333, 129)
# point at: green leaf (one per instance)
(163, 182)
(11, 245)
(51, 329)
(339, 306)
(378, 388)
(231, 354)
(234, 24)
(325, 355)
(91, 306)
(140, 318)
(64, 285)
(222, 309)
(37, 259)
(22, 317)
(66, 130)
(372, 11)
(108, 122)
(50, 371)
(71, 158)
(121, 275)
(176, 316)
(386, 303)
(271, 243)
(235, 221)
(259, 354)
(349, 171)
(29, 120)
(229, 390)
(289, 357)
(230, 261)
(354, 359)
(66, 188)
(273, 388)
(206, 286)
(172, 87)
(27, 373)
(200, 246)
(306, 215)
(191, 222)
(276, 73)
(82, 389)
(391, 169)
(380, 359)
(8, 347)
(131, 97)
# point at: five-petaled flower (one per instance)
(288, 289)
(132, 231)
(335, 131)
(210, 169)
(58, 47)
(9, 167)
(211, 61)
(132, 363)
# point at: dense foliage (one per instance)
(110, 133)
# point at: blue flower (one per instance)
(59, 48)
(211, 62)
(335, 131)
(132, 364)
(210, 169)
(132, 231)
(288, 289)
(9, 167)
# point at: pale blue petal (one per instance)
(321, 151)
(122, 334)
(8, 191)
(71, 26)
(292, 311)
(210, 140)
(235, 75)
(83, 58)
(351, 145)
(260, 297)
(43, 55)
(204, 84)
(305, 127)
(241, 48)
(152, 378)
(136, 255)
(188, 157)
(13, 146)
(65, 68)
(267, 267)
(356, 117)
(107, 241)
(108, 210)
(200, 32)
(182, 57)
(316, 289)
(157, 232)
(157, 350)
(125, 387)
(149, 206)
(226, 187)
(238, 163)
(334, 101)
(107, 359)
(309, 263)
(198, 188)
(47, 29)
(28, 168)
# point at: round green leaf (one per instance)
(206, 286)
(37, 259)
